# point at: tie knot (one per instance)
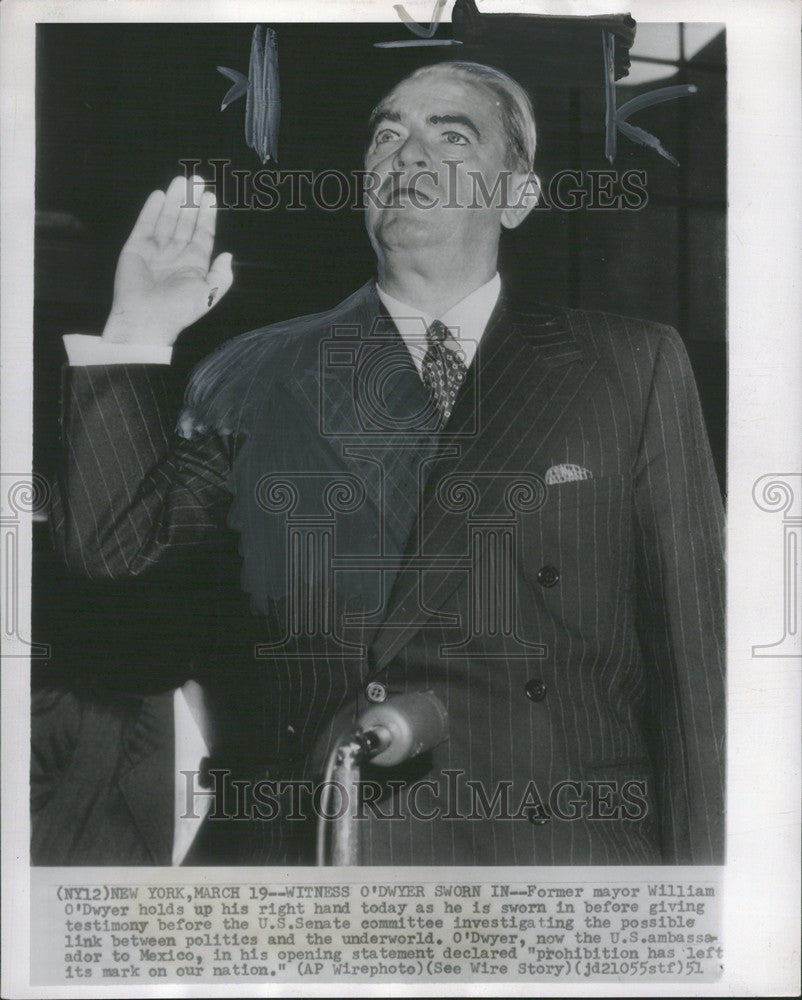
(437, 332)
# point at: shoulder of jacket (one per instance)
(619, 336)
(285, 334)
(223, 385)
(599, 322)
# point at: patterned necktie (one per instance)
(443, 370)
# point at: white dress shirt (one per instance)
(466, 322)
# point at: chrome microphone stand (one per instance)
(345, 829)
(386, 734)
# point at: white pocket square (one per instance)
(566, 474)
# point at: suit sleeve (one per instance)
(681, 609)
(129, 490)
(55, 727)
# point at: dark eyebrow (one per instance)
(382, 115)
(455, 120)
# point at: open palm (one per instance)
(165, 280)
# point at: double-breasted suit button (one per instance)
(535, 689)
(375, 692)
(548, 576)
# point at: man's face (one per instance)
(428, 136)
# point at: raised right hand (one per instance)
(164, 281)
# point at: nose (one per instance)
(410, 154)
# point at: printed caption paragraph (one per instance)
(210, 925)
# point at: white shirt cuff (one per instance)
(84, 349)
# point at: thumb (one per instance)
(219, 279)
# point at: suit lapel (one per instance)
(367, 401)
(362, 390)
(146, 778)
(528, 379)
(323, 384)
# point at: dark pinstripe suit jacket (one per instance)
(574, 631)
(101, 778)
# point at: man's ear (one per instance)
(524, 194)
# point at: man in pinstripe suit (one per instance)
(433, 486)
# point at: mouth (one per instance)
(409, 193)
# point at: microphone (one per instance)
(388, 733)
(403, 726)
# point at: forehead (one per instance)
(439, 93)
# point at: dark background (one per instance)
(118, 106)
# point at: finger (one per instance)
(178, 193)
(219, 279)
(146, 221)
(203, 236)
(188, 210)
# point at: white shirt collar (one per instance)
(466, 320)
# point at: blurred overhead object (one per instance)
(262, 94)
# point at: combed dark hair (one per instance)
(517, 116)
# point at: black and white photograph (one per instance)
(384, 430)
(464, 489)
